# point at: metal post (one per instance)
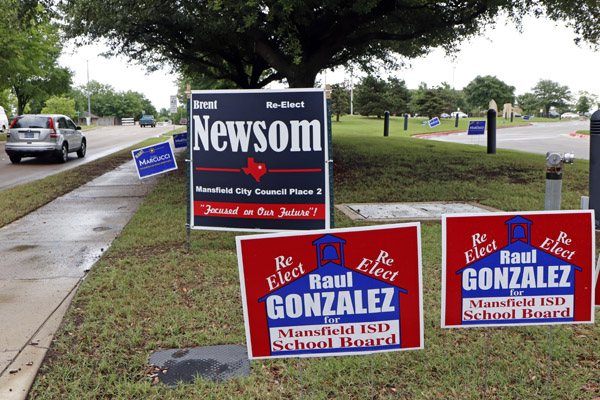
(554, 166)
(405, 121)
(456, 121)
(512, 115)
(595, 165)
(386, 123)
(491, 131)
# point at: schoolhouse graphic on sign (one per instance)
(518, 283)
(333, 308)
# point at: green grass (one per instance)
(415, 126)
(148, 293)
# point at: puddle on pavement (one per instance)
(24, 247)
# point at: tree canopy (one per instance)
(105, 101)
(30, 45)
(252, 43)
(482, 89)
(552, 94)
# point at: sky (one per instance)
(544, 50)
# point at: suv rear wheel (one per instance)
(81, 151)
(63, 154)
(15, 158)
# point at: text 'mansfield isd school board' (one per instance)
(259, 160)
(526, 268)
(332, 292)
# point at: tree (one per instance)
(252, 43)
(371, 96)
(529, 103)
(586, 102)
(105, 101)
(340, 100)
(431, 102)
(482, 89)
(398, 96)
(32, 71)
(551, 94)
(60, 105)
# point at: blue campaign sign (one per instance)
(526, 117)
(154, 160)
(476, 128)
(434, 122)
(180, 139)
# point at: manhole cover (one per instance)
(425, 211)
(214, 363)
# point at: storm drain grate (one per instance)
(216, 363)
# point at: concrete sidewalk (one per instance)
(43, 259)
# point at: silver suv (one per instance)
(43, 134)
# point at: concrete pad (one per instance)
(399, 212)
(16, 382)
(24, 301)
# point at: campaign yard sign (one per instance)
(597, 296)
(435, 121)
(527, 268)
(259, 160)
(476, 128)
(332, 292)
(180, 140)
(154, 160)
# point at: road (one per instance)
(540, 137)
(100, 142)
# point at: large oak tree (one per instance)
(254, 42)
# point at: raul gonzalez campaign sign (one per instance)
(332, 292)
(259, 160)
(527, 268)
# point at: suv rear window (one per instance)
(32, 122)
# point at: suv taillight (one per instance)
(53, 134)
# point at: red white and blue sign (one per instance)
(597, 296)
(154, 160)
(260, 160)
(476, 128)
(527, 268)
(332, 292)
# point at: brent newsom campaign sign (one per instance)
(526, 268)
(259, 160)
(332, 292)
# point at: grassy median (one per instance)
(149, 293)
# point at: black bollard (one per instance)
(405, 122)
(512, 114)
(491, 131)
(456, 121)
(595, 165)
(386, 123)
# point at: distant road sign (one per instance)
(434, 122)
(173, 108)
(526, 117)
